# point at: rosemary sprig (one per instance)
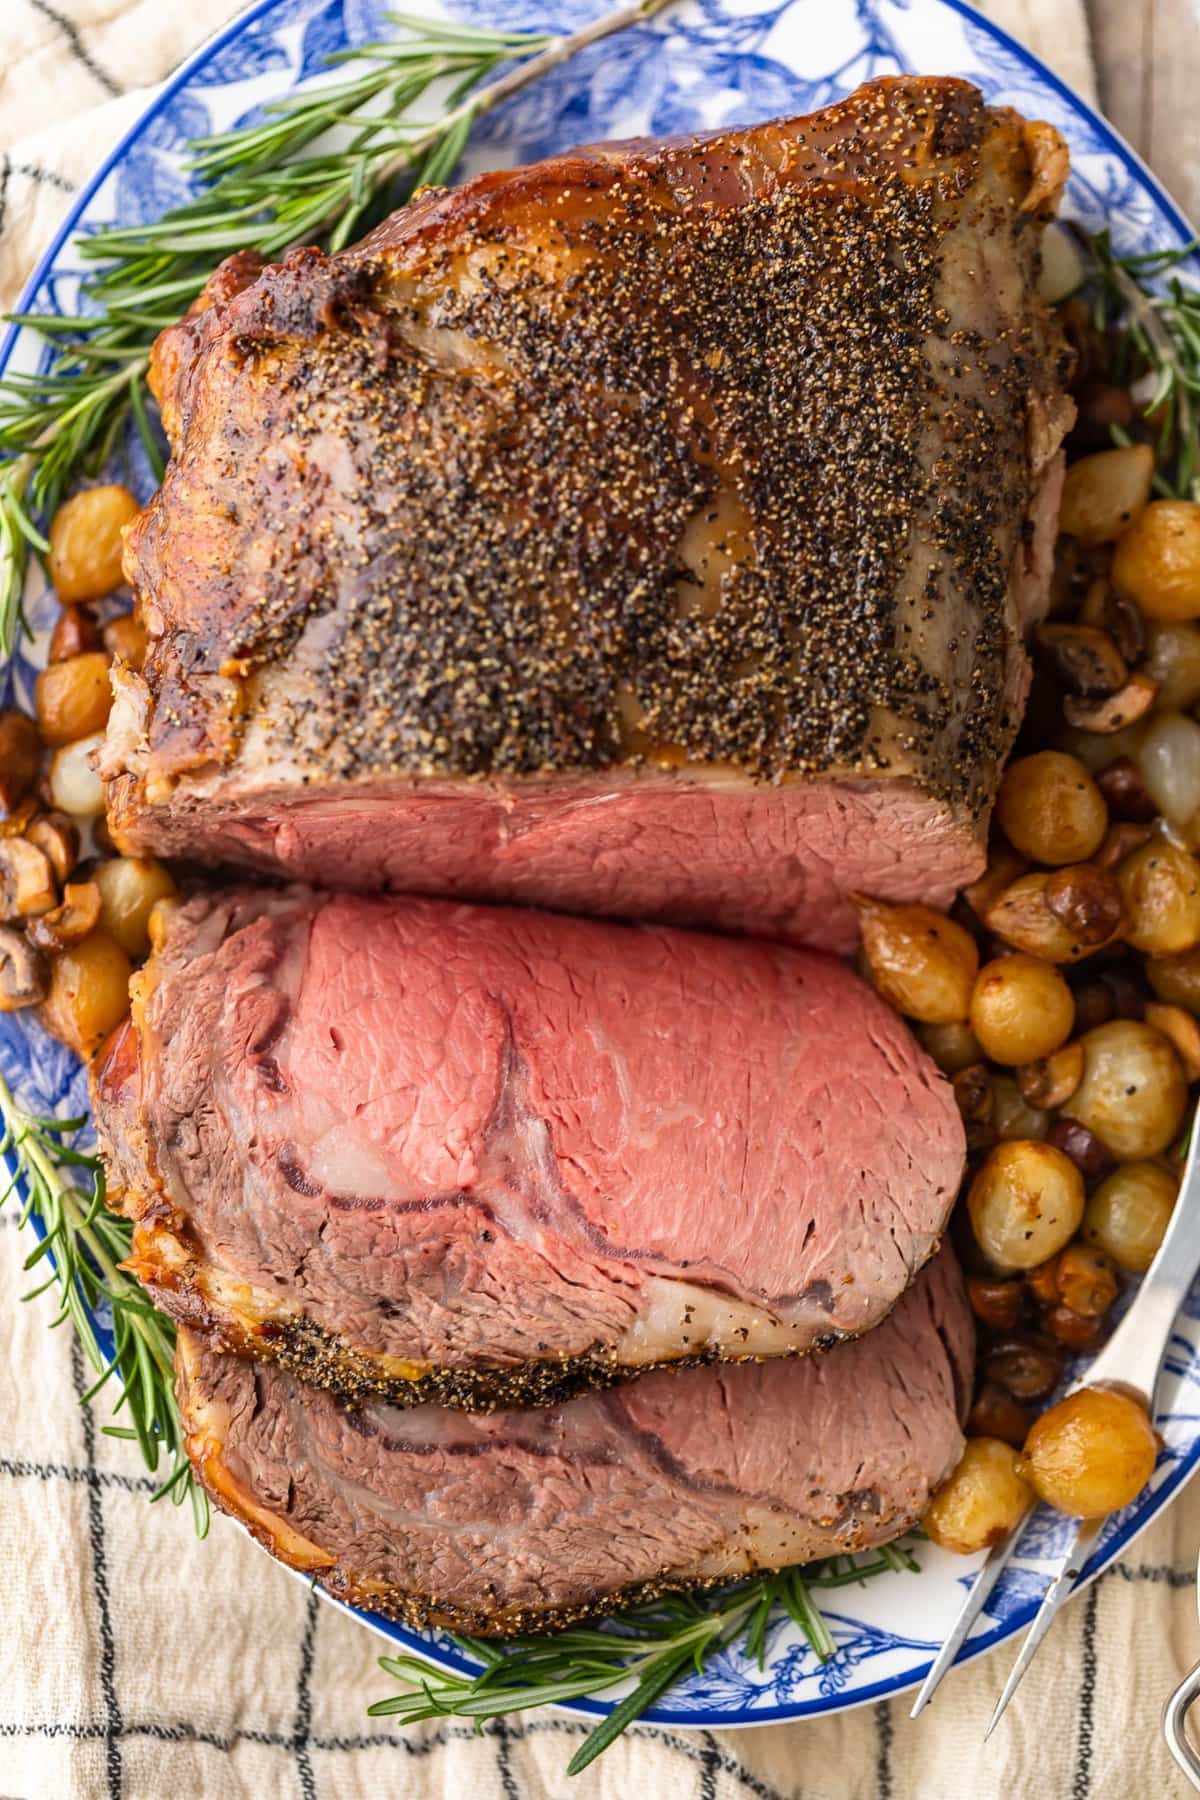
(652, 1646)
(318, 167)
(1156, 316)
(82, 1249)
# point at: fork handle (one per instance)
(1174, 1726)
(1134, 1352)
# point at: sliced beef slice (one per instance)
(524, 1520)
(482, 1155)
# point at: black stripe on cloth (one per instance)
(416, 1747)
(687, 1747)
(710, 1767)
(100, 1478)
(301, 1730)
(108, 1648)
(502, 1739)
(45, 177)
(79, 49)
(1081, 1787)
(884, 1733)
(1154, 1572)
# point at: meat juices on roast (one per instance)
(513, 1521)
(645, 532)
(482, 1155)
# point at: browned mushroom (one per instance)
(1076, 1330)
(1060, 915)
(65, 924)
(996, 1302)
(1125, 791)
(20, 757)
(1087, 1280)
(1109, 611)
(20, 818)
(973, 1093)
(1084, 658)
(1023, 1366)
(1087, 900)
(1042, 1282)
(24, 977)
(996, 1414)
(1095, 1004)
(1090, 1156)
(1112, 712)
(1054, 1078)
(57, 837)
(26, 880)
(75, 633)
(1126, 625)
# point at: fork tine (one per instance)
(998, 1560)
(1086, 1533)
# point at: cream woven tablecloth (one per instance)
(137, 1662)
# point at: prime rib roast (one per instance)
(517, 1520)
(645, 532)
(435, 1151)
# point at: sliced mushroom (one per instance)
(19, 820)
(1060, 915)
(24, 977)
(26, 880)
(1087, 900)
(78, 914)
(58, 840)
(20, 757)
(1091, 1157)
(973, 1093)
(1084, 658)
(1127, 626)
(1110, 612)
(1112, 712)
(1054, 1079)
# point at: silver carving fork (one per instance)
(1131, 1359)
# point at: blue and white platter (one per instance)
(702, 63)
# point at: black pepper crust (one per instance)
(441, 504)
(321, 1359)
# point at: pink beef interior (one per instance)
(477, 1136)
(775, 861)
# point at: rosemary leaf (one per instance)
(654, 1682)
(84, 1245)
(1159, 337)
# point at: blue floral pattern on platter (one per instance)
(704, 63)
